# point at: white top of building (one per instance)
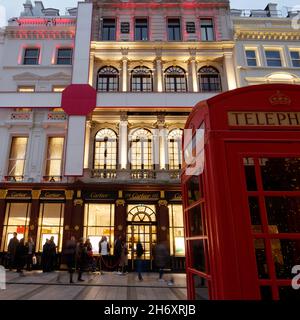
(38, 10)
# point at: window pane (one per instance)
(193, 189)
(273, 54)
(289, 294)
(286, 255)
(197, 255)
(51, 213)
(250, 174)
(261, 259)
(201, 288)
(250, 54)
(255, 214)
(17, 156)
(280, 174)
(266, 293)
(283, 214)
(54, 156)
(109, 30)
(196, 227)
(99, 214)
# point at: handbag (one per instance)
(34, 260)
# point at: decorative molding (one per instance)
(29, 76)
(163, 203)
(266, 35)
(69, 194)
(3, 193)
(35, 194)
(78, 202)
(120, 202)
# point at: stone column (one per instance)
(120, 216)
(77, 218)
(193, 74)
(123, 141)
(163, 136)
(124, 74)
(34, 215)
(159, 75)
(230, 70)
(163, 232)
(68, 216)
(91, 70)
(3, 193)
(88, 127)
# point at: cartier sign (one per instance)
(265, 119)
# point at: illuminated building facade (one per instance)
(93, 106)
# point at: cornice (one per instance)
(267, 35)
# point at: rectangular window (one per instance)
(54, 158)
(99, 220)
(58, 88)
(17, 157)
(251, 58)
(64, 56)
(16, 220)
(31, 56)
(51, 222)
(26, 89)
(207, 30)
(273, 58)
(109, 30)
(174, 32)
(177, 246)
(295, 56)
(141, 30)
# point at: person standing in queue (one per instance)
(12, 246)
(46, 256)
(30, 246)
(52, 254)
(139, 261)
(21, 254)
(118, 252)
(104, 252)
(70, 254)
(81, 258)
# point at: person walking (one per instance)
(118, 252)
(104, 252)
(161, 258)
(90, 255)
(20, 257)
(30, 247)
(46, 256)
(81, 258)
(12, 246)
(139, 254)
(70, 254)
(52, 254)
(124, 258)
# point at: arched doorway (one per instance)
(141, 225)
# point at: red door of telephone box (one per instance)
(242, 213)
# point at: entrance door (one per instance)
(265, 181)
(141, 226)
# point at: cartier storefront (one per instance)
(151, 216)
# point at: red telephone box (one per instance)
(242, 211)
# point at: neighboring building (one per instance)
(103, 157)
(267, 47)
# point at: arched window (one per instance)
(175, 80)
(105, 154)
(141, 149)
(175, 149)
(108, 79)
(141, 80)
(209, 79)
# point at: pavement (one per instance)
(36, 285)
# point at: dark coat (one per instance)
(161, 256)
(70, 253)
(12, 246)
(139, 250)
(118, 248)
(81, 256)
(21, 254)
